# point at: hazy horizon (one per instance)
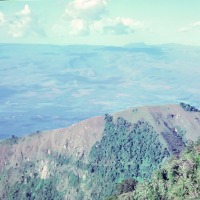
(141, 44)
(100, 22)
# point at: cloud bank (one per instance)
(21, 24)
(190, 27)
(92, 16)
(79, 18)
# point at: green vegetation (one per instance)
(12, 140)
(178, 179)
(73, 179)
(33, 188)
(188, 107)
(125, 151)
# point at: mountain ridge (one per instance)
(86, 155)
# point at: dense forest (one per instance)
(125, 151)
(179, 178)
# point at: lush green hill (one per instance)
(88, 160)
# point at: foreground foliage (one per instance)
(177, 179)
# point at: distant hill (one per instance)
(87, 160)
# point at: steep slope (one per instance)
(87, 160)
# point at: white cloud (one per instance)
(86, 9)
(23, 24)
(25, 11)
(79, 27)
(20, 23)
(190, 27)
(2, 18)
(80, 14)
(195, 24)
(117, 25)
(184, 29)
(89, 4)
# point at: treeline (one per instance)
(188, 107)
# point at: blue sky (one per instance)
(100, 22)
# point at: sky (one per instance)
(100, 22)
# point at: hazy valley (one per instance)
(45, 87)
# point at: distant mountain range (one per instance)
(88, 159)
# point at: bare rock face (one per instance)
(88, 159)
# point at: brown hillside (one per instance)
(79, 138)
